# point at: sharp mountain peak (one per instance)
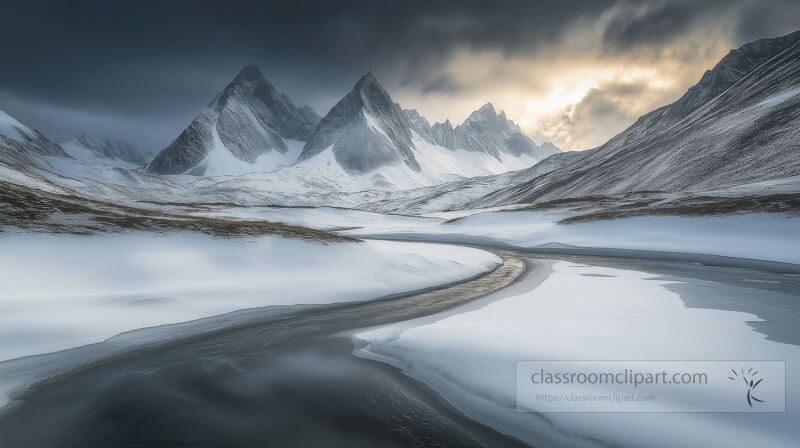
(249, 73)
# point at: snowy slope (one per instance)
(249, 126)
(103, 285)
(460, 195)
(19, 140)
(733, 67)
(245, 147)
(24, 151)
(11, 128)
(755, 236)
(739, 125)
(105, 151)
(364, 131)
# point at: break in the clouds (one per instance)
(575, 72)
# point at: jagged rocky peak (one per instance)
(249, 73)
(549, 146)
(489, 132)
(443, 134)
(736, 64)
(419, 123)
(365, 130)
(414, 115)
(373, 96)
(484, 112)
(368, 81)
(248, 119)
(273, 108)
(487, 116)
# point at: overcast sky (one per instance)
(573, 72)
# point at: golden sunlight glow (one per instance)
(574, 94)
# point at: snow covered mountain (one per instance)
(19, 140)
(368, 134)
(487, 132)
(104, 150)
(733, 67)
(249, 126)
(739, 125)
(365, 130)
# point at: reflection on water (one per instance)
(594, 308)
(773, 297)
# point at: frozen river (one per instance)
(436, 368)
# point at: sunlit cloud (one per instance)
(575, 72)
(589, 84)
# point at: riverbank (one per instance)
(217, 381)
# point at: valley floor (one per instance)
(264, 377)
(246, 378)
(365, 278)
(204, 315)
(756, 238)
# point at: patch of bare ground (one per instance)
(40, 211)
(788, 204)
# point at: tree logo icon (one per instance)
(751, 380)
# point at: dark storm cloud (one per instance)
(82, 42)
(443, 84)
(121, 67)
(635, 23)
(767, 19)
(145, 61)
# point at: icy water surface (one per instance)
(291, 380)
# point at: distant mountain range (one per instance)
(19, 139)
(24, 148)
(251, 127)
(366, 142)
(737, 130)
(104, 150)
(247, 120)
(483, 131)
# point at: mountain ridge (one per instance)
(729, 70)
(353, 126)
(247, 119)
(20, 140)
(748, 133)
(249, 126)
